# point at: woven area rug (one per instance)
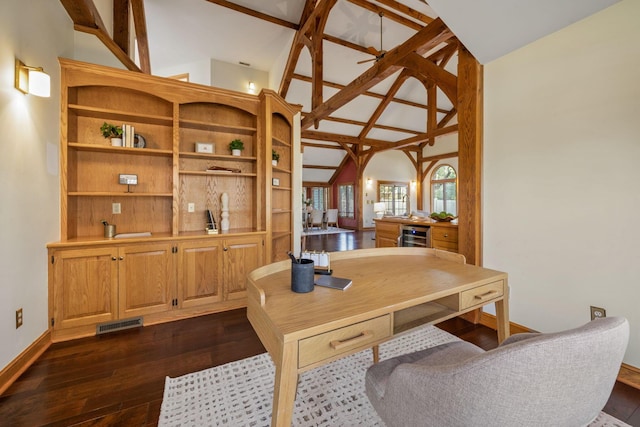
(240, 393)
(330, 230)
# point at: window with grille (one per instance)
(318, 196)
(395, 196)
(444, 190)
(346, 201)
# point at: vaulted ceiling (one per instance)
(370, 75)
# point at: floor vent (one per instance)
(118, 325)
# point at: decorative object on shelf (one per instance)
(224, 223)
(275, 182)
(442, 216)
(274, 157)
(211, 223)
(378, 208)
(236, 146)
(222, 169)
(139, 141)
(128, 180)
(204, 147)
(112, 131)
(109, 229)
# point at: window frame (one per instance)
(444, 183)
(407, 202)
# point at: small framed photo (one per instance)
(204, 147)
(275, 182)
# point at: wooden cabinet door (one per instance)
(85, 287)
(146, 279)
(200, 273)
(242, 255)
(387, 234)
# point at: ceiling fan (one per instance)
(379, 54)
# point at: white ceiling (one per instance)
(189, 31)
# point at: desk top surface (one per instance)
(384, 280)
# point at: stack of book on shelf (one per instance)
(128, 135)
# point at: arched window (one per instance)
(444, 194)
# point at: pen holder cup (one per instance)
(302, 276)
(109, 231)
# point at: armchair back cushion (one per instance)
(562, 378)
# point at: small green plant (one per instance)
(110, 131)
(275, 156)
(236, 144)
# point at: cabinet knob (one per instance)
(225, 249)
(121, 258)
(113, 258)
(446, 235)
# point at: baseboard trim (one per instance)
(25, 359)
(629, 375)
(489, 320)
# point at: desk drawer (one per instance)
(333, 343)
(481, 294)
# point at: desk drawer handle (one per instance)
(338, 344)
(486, 295)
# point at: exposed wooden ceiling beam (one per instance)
(121, 24)
(444, 79)
(344, 139)
(316, 30)
(404, 75)
(320, 167)
(299, 41)
(423, 41)
(86, 19)
(387, 14)
(402, 8)
(255, 14)
(140, 25)
(372, 94)
(375, 126)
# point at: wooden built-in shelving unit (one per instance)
(180, 270)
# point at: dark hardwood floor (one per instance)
(118, 379)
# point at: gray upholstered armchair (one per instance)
(532, 379)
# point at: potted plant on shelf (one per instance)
(236, 146)
(112, 131)
(274, 157)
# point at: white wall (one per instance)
(561, 167)
(237, 77)
(36, 32)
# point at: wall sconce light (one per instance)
(413, 183)
(32, 80)
(252, 87)
(369, 181)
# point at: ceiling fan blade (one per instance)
(379, 54)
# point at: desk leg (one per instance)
(286, 383)
(502, 317)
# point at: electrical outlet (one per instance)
(597, 312)
(115, 208)
(191, 207)
(18, 318)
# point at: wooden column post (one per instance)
(470, 130)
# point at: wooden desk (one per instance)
(393, 290)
